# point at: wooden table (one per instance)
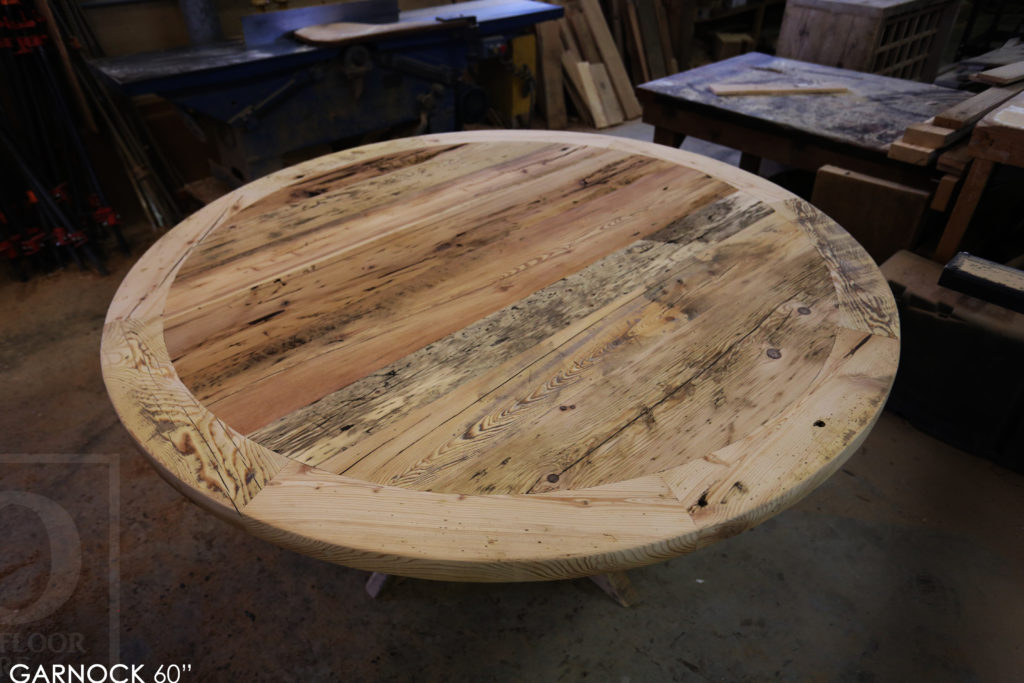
(851, 130)
(501, 356)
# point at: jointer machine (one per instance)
(268, 95)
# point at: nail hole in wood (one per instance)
(819, 423)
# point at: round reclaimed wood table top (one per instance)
(501, 356)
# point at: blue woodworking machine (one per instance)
(260, 98)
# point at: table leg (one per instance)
(618, 586)
(375, 584)
(963, 210)
(664, 136)
(615, 584)
(750, 163)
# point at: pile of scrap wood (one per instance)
(643, 31)
(581, 57)
(588, 65)
(943, 138)
(967, 69)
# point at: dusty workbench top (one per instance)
(501, 355)
(874, 113)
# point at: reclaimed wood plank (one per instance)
(868, 306)
(581, 29)
(665, 39)
(347, 32)
(583, 83)
(932, 136)
(606, 94)
(612, 59)
(973, 109)
(999, 136)
(963, 210)
(912, 154)
(569, 43)
(1003, 75)
(944, 192)
(735, 89)
(549, 50)
(955, 159)
(601, 374)
(345, 419)
(637, 43)
(648, 23)
(230, 353)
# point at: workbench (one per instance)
(257, 100)
(501, 355)
(851, 130)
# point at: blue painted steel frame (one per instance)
(264, 102)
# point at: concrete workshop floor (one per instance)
(908, 565)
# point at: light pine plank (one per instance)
(190, 446)
(583, 80)
(932, 136)
(345, 32)
(453, 537)
(610, 104)
(1003, 75)
(732, 489)
(736, 89)
(971, 110)
(912, 154)
(611, 58)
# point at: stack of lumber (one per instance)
(578, 56)
(643, 32)
(943, 137)
(965, 70)
(1003, 75)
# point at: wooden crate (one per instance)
(899, 38)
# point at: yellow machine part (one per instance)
(509, 81)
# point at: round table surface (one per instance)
(501, 355)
